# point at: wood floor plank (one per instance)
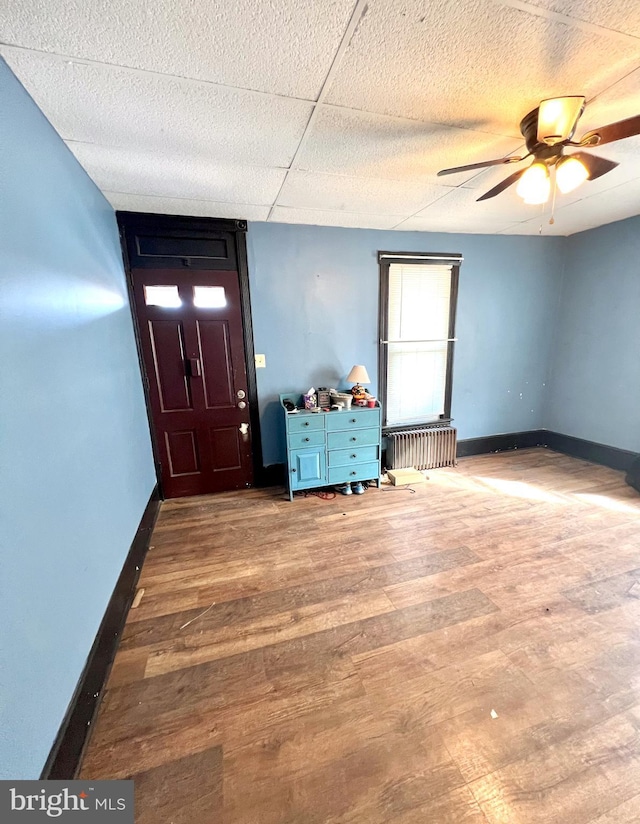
(576, 780)
(464, 654)
(181, 792)
(242, 610)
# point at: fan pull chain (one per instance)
(552, 219)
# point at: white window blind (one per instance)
(417, 330)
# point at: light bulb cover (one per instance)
(534, 186)
(557, 118)
(570, 173)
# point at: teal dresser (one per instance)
(331, 448)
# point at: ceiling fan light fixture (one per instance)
(557, 118)
(570, 173)
(534, 186)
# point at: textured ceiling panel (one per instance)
(506, 208)
(617, 103)
(471, 63)
(358, 143)
(316, 217)
(435, 223)
(310, 190)
(117, 107)
(135, 172)
(262, 45)
(621, 15)
(614, 204)
(180, 206)
(423, 85)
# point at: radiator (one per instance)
(422, 448)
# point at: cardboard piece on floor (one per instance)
(410, 475)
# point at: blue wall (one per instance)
(314, 296)
(595, 376)
(77, 468)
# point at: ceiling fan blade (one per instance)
(472, 166)
(596, 166)
(508, 181)
(614, 131)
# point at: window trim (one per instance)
(385, 259)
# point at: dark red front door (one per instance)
(191, 328)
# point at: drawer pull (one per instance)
(306, 423)
(354, 472)
(293, 470)
(353, 420)
(354, 456)
(307, 440)
(354, 439)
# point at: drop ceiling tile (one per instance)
(618, 102)
(618, 15)
(256, 45)
(472, 63)
(541, 227)
(348, 142)
(462, 207)
(162, 175)
(451, 224)
(117, 107)
(319, 217)
(180, 206)
(311, 190)
(588, 213)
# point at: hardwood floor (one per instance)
(467, 653)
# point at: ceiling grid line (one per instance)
(575, 22)
(199, 81)
(359, 10)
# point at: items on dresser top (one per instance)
(331, 448)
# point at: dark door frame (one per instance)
(131, 223)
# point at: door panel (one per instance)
(217, 370)
(195, 360)
(226, 448)
(167, 343)
(182, 452)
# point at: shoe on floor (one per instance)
(346, 489)
(357, 488)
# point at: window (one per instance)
(417, 329)
(166, 296)
(209, 297)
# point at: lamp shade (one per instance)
(570, 173)
(358, 374)
(557, 118)
(535, 185)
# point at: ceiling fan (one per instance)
(547, 130)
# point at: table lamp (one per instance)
(358, 375)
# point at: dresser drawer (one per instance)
(357, 437)
(304, 423)
(311, 437)
(352, 419)
(359, 472)
(359, 454)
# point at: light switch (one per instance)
(261, 361)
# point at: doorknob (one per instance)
(242, 405)
(241, 394)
